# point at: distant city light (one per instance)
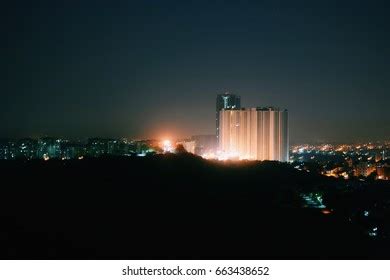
(373, 232)
(167, 146)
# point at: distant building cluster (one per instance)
(251, 133)
(345, 161)
(56, 148)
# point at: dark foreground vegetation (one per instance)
(172, 207)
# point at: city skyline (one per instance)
(152, 70)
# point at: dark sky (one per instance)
(153, 68)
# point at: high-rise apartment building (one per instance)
(254, 134)
(226, 101)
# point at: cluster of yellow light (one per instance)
(326, 147)
(223, 156)
(336, 173)
(301, 148)
(342, 148)
(209, 156)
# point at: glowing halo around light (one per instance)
(167, 146)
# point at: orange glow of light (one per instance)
(326, 212)
(167, 146)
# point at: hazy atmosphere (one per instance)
(153, 68)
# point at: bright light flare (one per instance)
(167, 146)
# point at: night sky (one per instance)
(153, 68)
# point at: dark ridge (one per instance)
(173, 207)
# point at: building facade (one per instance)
(254, 134)
(226, 101)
